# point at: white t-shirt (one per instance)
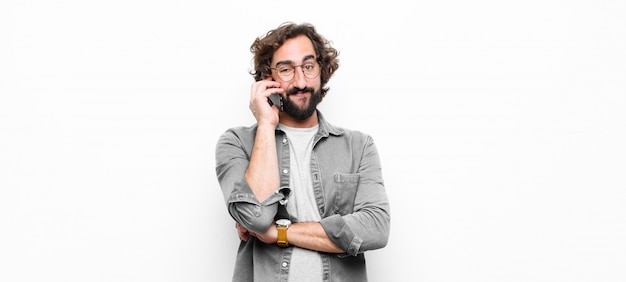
(306, 265)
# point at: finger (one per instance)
(261, 87)
(242, 232)
(244, 237)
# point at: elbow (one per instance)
(384, 239)
(380, 238)
(379, 232)
(254, 217)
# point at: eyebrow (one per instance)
(307, 57)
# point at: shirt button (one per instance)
(284, 140)
(285, 171)
(284, 264)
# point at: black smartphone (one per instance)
(276, 99)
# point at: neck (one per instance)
(288, 120)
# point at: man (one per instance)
(308, 197)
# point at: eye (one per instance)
(309, 66)
(284, 69)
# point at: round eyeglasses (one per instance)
(286, 72)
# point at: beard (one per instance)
(293, 110)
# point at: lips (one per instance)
(300, 95)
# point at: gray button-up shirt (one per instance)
(349, 192)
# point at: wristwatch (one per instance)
(282, 225)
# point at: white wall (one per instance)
(501, 126)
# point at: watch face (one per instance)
(283, 222)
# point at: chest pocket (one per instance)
(346, 186)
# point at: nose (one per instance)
(299, 80)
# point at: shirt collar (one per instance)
(326, 128)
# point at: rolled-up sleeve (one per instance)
(232, 158)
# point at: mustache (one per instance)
(295, 90)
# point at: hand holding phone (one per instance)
(276, 99)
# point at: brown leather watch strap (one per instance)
(282, 236)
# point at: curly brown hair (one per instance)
(264, 47)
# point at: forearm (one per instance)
(262, 173)
(306, 235)
(311, 235)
